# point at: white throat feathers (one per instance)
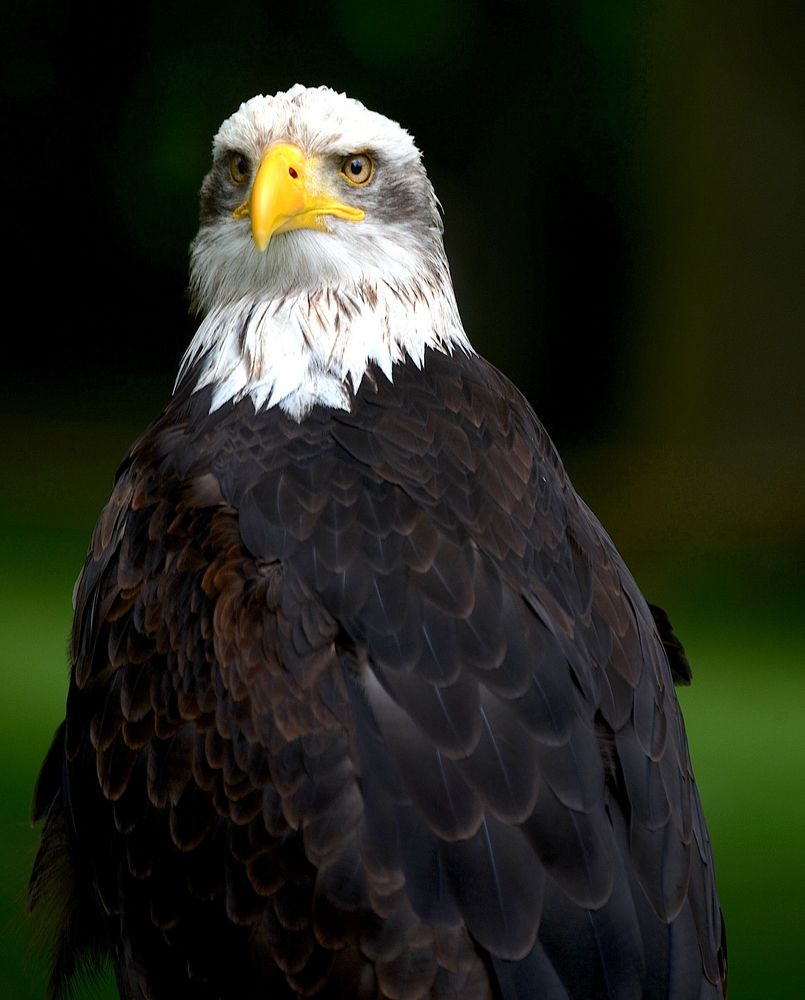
(298, 324)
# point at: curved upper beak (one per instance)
(287, 194)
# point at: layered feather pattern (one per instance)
(368, 705)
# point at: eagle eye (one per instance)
(358, 168)
(238, 168)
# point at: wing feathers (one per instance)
(369, 705)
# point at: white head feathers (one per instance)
(298, 324)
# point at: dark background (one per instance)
(624, 194)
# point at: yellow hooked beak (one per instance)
(287, 194)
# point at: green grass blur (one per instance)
(745, 711)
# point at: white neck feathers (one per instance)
(304, 348)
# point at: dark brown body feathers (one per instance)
(369, 706)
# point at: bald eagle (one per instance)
(363, 701)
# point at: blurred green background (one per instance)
(624, 189)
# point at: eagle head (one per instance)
(309, 188)
(319, 252)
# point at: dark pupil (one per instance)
(356, 167)
(240, 166)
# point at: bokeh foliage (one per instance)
(624, 189)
